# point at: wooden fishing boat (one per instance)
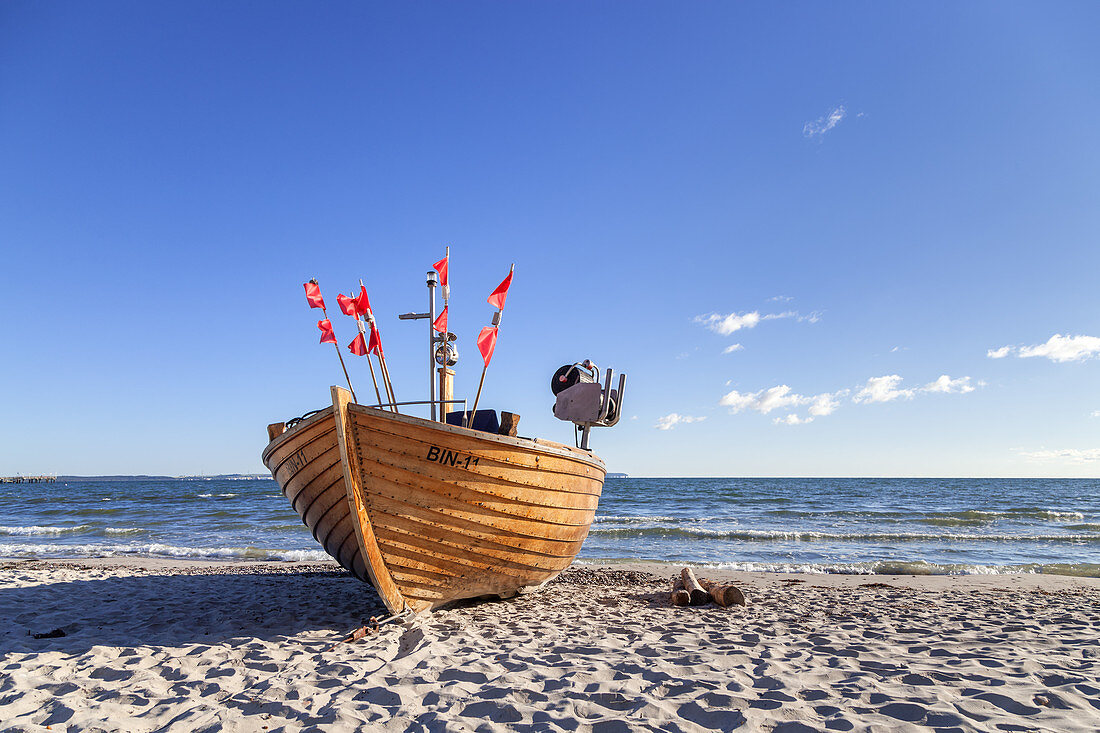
(430, 513)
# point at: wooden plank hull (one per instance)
(431, 513)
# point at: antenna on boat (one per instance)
(432, 280)
(430, 315)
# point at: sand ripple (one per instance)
(149, 647)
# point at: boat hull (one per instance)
(430, 513)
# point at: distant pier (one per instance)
(27, 479)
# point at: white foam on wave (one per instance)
(160, 550)
(36, 530)
(627, 519)
(811, 536)
(875, 567)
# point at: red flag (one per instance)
(327, 336)
(362, 303)
(313, 295)
(500, 294)
(350, 306)
(486, 342)
(358, 346)
(440, 323)
(441, 268)
(375, 341)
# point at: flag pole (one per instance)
(496, 324)
(342, 365)
(386, 380)
(478, 398)
(381, 361)
(363, 333)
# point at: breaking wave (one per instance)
(159, 550)
(763, 535)
(881, 567)
(35, 530)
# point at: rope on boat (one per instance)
(295, 420)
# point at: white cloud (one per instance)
(1064, 348)
(826, 404)
(1057, 348)
(1068, 455)
(732, 348)
(780, 299)
(781, 397)
(947, 385)
(763, 401)
(877, 389)
(1095, 413)
(882, 389)
(822, 125)
(671, 420)
(729, 323)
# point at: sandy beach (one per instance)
(171, 645)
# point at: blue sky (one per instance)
(868, 198)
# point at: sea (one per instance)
(816, 525)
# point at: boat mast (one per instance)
(431, 338)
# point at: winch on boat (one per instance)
(583, 401)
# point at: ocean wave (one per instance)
(123, 530)
(640, 519)
(160, 550)
(915, 567)
(804, 536)
(36, 530)
(880, 567)
(965, 516)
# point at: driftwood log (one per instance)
(725, 595)
(699, 595)
(680, 597)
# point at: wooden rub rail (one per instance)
(27, 479)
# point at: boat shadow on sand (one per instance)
(186, 607)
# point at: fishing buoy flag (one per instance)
(313, 295)
(498, 296)
(487, 342)
(358, 346)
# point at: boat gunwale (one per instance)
(538, 445)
